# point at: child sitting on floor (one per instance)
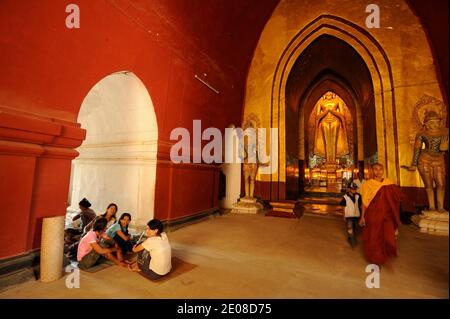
(352, 202)
(89, 250)
(154, 254)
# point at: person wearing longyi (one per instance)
(380, 216)
(154, 254)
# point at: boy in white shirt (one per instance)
(154, 254)
(352, 202)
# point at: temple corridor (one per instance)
(228, 149)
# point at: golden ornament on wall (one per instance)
(425, 104)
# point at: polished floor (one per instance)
(322, 189)
(243, 256)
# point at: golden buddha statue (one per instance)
(330, 133)
(430, 160)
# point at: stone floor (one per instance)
(253, 256)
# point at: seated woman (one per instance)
(110, 216)
(89, 250)
(154, 254)
(86, 215)
(119, 233)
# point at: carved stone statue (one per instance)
(330, 133)
(430, 160)
(250, 156)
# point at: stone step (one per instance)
(282, 204)
(285, 208)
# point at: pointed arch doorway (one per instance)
(329, 118)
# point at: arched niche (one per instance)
(117, 161)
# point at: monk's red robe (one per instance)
(382, 219)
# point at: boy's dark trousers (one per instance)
(352, 228)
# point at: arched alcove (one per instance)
(117, 161)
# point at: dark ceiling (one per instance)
(434, 18)
(328, 58)
(229, 30)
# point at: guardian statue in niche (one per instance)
(430, 159)
(430, 144)
(250, 154)
(250, 159)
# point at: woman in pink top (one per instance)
(89, 249)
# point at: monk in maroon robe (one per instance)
(380, 216)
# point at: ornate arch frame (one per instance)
(380, 70)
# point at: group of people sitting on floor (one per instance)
(104, 236)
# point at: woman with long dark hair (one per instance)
(119, 233)
(86, 213)
(72, 235)
(154, 254)
(110, 215)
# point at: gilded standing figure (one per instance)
(430, 160)
(331, 136)
(250, 156)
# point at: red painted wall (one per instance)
(15, 215)
(47, 70)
